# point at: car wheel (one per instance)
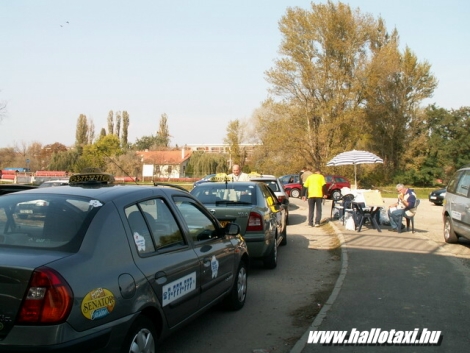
(236, 298)
(449, 234)
(336, 195)
(141, 338)
(295, 193)
(270, 261)
(437, 203)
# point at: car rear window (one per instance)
(55, 222)
(221, 193)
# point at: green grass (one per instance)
(390, 191)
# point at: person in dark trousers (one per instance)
(313, 190)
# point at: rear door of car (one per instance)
(215, 250)
(166, 258)
(458, 203)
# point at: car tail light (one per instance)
(281, 199)
(48, 299)
(255, 222)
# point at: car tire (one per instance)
(270, 261)
(236, 299)
(295, 193)
(438, 203)
(449, 235)
(336, 195)
(141, 337)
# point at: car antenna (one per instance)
(117, 165)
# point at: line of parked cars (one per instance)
(108, 268)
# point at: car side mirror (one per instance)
(232, 229)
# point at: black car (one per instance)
(111, 268)
(9, 188)
(437, 196)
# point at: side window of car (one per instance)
(463, 185)
(154, 227)
(200, 226)
(452, 185)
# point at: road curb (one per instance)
(302, 342)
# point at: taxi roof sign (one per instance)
(91, 178)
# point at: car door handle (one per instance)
(160, 277)
(207, 262)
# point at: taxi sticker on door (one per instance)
(178, 288)
(98, 303)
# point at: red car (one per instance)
(334, 183)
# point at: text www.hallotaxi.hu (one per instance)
(375, 336)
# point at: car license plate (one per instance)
(26, 211)
(433, 197)
(224, 223)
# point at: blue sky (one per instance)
(200, 62)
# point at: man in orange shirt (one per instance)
(313, 190)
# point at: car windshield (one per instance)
(54, 222)
(233, 193)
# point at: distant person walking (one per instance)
(313, 191)
(238, 175)
(307, 171)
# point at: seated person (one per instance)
(406, 201)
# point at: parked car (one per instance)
(278, 188)
(8, 188)
(112, 268)
(255, 208)
(456, 212)
(203, 180)
(334, 185)
(49, 183)
(437, 196)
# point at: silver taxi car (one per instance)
(255, 208)
(456, 210)
(110, 268)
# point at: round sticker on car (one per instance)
(98, 303)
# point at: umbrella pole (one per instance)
(355, 178)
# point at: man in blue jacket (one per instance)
(406, 201)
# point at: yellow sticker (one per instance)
(97, 304)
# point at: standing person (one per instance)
(406, 201)
(238, 175)
(314, 189)
(307, 171)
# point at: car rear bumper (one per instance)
(258, 245)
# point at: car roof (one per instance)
(104, 192)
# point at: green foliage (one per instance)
(202, 163)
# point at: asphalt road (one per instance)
(281, 303)
(284, 304)
(398, 282)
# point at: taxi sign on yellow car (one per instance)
(85, 178)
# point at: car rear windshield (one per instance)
(55, 222)
(236, 193)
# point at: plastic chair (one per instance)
(343, 205)
(409, 219)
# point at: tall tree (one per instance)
(163, 133)
(234, 138)
(117, 130)
(125, 128)
(81, 133)
(325, 80)
(110, 122)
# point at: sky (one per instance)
(202, 63)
